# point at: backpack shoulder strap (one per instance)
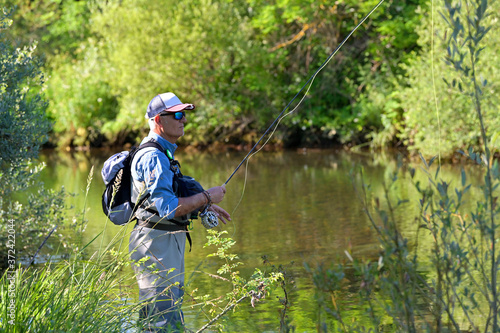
(132, 154)
(153, 144)
(175, 166)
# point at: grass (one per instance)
(70, 296)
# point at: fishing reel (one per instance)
(208, 218)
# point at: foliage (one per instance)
(70, 296)
(287, 284)
(343, 104)
(39, 215)
(81, 101)
(256, 287)
(240, 62)
(59, 26)
(23, 129)
(58, 29)
(200, 50)
(393, 44)
(412, 287)
(453, 284)
(438, 114)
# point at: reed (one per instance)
(67, 297)
(80, 294)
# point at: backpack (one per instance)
(117, 197)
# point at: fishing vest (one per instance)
(147, 210)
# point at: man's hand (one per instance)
(217, 193)
(221, 213)
(188, 204)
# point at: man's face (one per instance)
(171, 128)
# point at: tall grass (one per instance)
(81, 294)
(74, 296)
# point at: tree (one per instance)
(354, 95)
(23, 129)
(201, 50)
(23, 126)
(439, 114)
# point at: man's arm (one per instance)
(188, 204)
(158, 178)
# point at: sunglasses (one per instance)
(177, 115)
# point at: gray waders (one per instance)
(160, 277)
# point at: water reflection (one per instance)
(296, 206)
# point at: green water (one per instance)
(297, 206)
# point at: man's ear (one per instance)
(157, 120)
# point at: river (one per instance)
(295, 206)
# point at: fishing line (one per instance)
(272, 133)
(282, 115)
(434, 83)
(305, 85)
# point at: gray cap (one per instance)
(167, 102)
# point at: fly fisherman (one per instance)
(158, 241)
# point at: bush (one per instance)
(81, 100)
(23, 129)
(453, 283)
(439, 114)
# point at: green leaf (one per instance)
(432, 160)
(423, 160)
(412, 172)
(437, 172)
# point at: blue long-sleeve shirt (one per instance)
(151, 167)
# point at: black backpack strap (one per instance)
(175, 166)
(152, 143)
(133, 152)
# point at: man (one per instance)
(158, 240)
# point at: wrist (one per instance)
(208, 198)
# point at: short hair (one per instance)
(152, 124)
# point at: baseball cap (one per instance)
(166, 102)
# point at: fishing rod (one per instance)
(305, 85)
